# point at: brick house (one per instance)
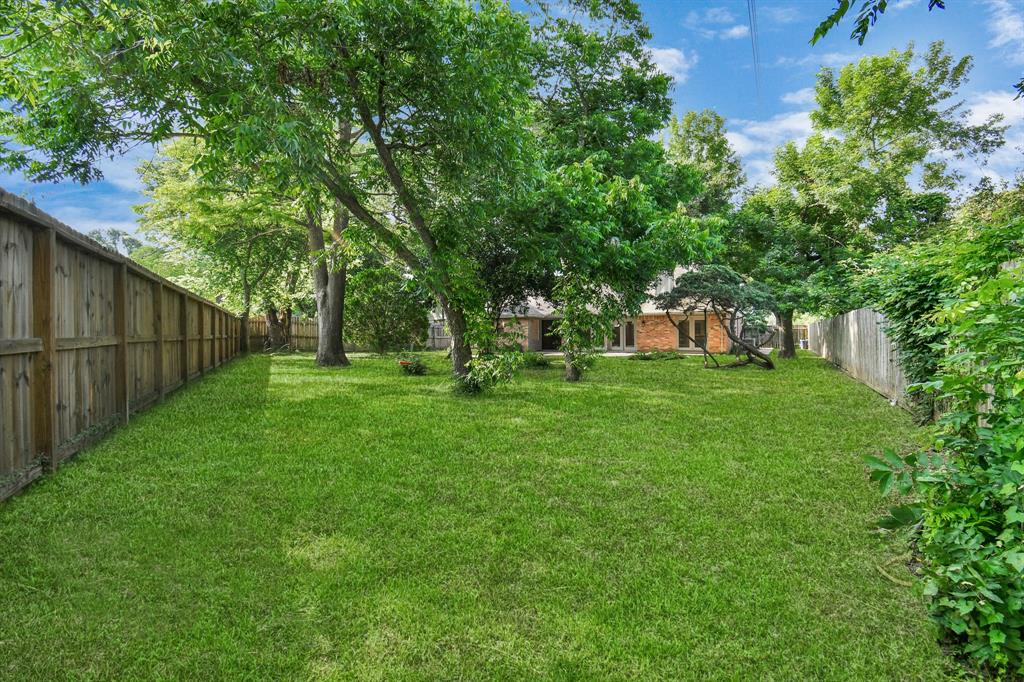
(532, 323)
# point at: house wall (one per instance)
(526, 332)
(655, 332)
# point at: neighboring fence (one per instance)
(303, 334)
(86, 338)
(800, 339)
(857, 343)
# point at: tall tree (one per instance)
(244, 239)
(849, 192)
(436, 92)
(870, 12)
(610, 241)
(699, 141)
(610, 199)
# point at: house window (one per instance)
(630, 335)
(684, 338)
(700, 332)
(617, 336)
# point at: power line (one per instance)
(754, 46)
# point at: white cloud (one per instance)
(706, 24)
(121, 170)
(781, 15)
(1005, 162)
(983, 104)
(903, 4)
(802, 96)
(737, 31)
(756, 141)
(820, 59)
(718, 15)
(674, 62)
(1006, 23)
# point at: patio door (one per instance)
(549, 338)
(623, 336)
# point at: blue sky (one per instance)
(705, 45)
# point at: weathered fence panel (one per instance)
(304, 334)
(857, 343)
(87, 337)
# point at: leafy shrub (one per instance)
(656, 355)
(412, 365)
(384, 309)
(969, 486)
(535, 360)
(488, 370)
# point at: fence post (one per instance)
(158, 325)
(121, 392)
(201, 312)
(44, 378)
(184, 338)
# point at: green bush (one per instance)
(535, 360)
(488, 370)
(968, 509)
(656, 355)
(412, 365)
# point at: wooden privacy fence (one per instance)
(86, 338)
(303, 334)
(857, 343)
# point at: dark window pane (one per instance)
(700, 332)
(617, 336)
(630, 334)
(684, 340)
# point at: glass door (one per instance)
(615, 342)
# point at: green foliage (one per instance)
(656, 355)
(970, 484)
(232, 240)
(609, 241)
(535, 360)
(847, 193)
(698, 140)
(385, 309)
(412, 115)
(488, 370)
(412, 365)
(869, 13)
(910, 284)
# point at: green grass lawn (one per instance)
(658, 520)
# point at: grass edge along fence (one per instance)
(87, 338)
(856, 343)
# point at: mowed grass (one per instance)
(658, 520)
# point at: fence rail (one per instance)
(857, 343)
(87, 337)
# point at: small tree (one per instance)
(608, 241)
(239, 240)
(387, 309)
(722, 291)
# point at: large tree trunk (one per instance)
(243, 324)
(329, 294)
(788, 349)
(243, 331)
(572, 371)
(461, 352)
(754, 353)
(276, 336)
